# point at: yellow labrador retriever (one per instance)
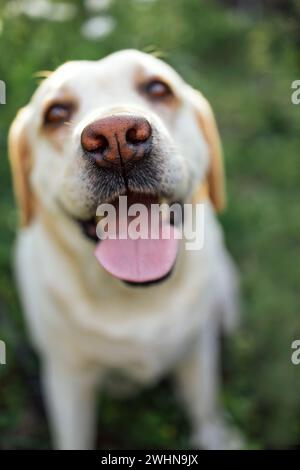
(96, 130)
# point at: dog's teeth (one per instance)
(98, 219)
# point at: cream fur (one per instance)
(85, 323)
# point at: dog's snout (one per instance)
(116, 140)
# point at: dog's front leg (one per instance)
(198, 379)
(70, 393)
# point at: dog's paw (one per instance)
(216, 434)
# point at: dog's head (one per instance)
(95, 130)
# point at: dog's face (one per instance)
(127, 124)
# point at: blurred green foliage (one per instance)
(244, 62)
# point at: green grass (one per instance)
(245, 66)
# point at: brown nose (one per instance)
(116, 140)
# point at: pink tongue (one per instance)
(137, 260)
(140, 260)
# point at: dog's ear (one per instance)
(21, 162)
(216, 175)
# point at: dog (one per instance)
(127, 124)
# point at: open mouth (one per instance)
(145, 258)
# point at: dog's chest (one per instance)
(143, 346)
(143, 333)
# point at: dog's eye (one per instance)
(157, 89)
(58, 114)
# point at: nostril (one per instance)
(132, 136)
(138, 134)
(101, 144)
(95, 143)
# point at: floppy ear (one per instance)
(216, 176)
(20, 160)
